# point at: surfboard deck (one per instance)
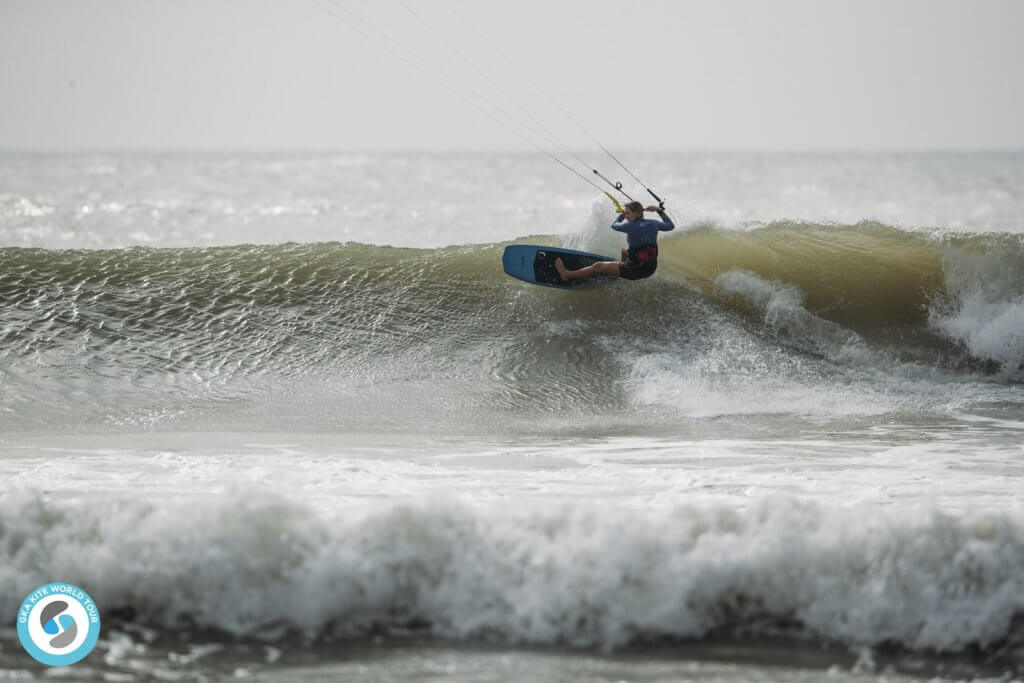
(536, 265)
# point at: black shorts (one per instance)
(633, 270)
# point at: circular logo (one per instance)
(58, 624)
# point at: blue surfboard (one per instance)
(536, 264)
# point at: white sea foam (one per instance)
(256, 564)
(738, 375)
(986, 307)
(734, 380)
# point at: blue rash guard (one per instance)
(642, 238)
(644, 232)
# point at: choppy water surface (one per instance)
(262, 405)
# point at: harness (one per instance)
(643, 254)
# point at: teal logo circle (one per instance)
(58, 624)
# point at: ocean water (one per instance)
(284, 418)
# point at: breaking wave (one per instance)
(230, 323)
(256, 565)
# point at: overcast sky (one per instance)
(719, 74)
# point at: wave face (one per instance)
(861, 275)
(581, 574)
(968, 289)
(110, 335)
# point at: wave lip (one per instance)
(584, 575)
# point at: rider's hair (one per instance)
(635, 207)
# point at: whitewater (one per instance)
(285, 418)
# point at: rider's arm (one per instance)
(666, 222)
(620, 223)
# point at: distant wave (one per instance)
(257, 565)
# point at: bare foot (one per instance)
(562, 270)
